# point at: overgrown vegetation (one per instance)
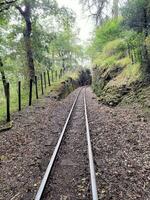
(120, 52)
(35, 36)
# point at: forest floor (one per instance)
(121, 145)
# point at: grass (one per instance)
(115, 75)
(105, 62)
(130, 74)
(115, 47)
(25, 93)
(111, 53)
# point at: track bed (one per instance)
(70, 176)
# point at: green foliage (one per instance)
(53, 43)
(147, 42)
(25, 92)
(105, 62)
(130, 74)
(53, 37)
(136, 14)
(114, 47)
(112, 51)
(109, 31)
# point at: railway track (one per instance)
(71, 173)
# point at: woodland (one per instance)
(39, 36)
(74, 114)
(35, 37)
(120, 50)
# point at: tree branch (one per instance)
(20, 10)
(6, 4)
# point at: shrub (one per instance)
(115, 47)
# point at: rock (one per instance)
(67, 162)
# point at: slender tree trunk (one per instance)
(63, 63)
(28, 47)
(3, 76)
(26, 13)
(115, 9)
(146, 60)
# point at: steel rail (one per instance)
(90, 154)
(53, 158)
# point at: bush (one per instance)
(109, 31)
(112, 51)
(114, 47)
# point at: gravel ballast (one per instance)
(121, 146)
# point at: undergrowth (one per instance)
(25, 93)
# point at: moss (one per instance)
(112, 96)
(130, 74)
(115, 78)
(140, 96)
(114, 47)
(113, 84)
(112, 52)
(103, 76)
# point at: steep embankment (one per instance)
(116, 79)
(80, 78)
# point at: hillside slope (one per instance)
(120, 75)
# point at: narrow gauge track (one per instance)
(68, 172)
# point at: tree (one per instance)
(34, 37)
(136, 15)
(98, 9)
(5, 5)
(26, 13)
(61, 47)
(26, 10)
(108, 31)
(3, 76)
(115, 9)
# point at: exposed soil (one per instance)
(121, 145)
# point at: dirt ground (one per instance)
(121, 146)
(25, 150)
(70, 178)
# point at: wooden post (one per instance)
(8, 101)
(45, 79)
(61, 73)
(52, 76)
(56, 75)
(42, 88)
(30, 93)
(19, 95)
(36, 87)
(49, 81)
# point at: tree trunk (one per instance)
(28, 47)
(115, 9)
(3, 76)
(146, 60)
(26, 13)
(63, 63)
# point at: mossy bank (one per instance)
(116, 78)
